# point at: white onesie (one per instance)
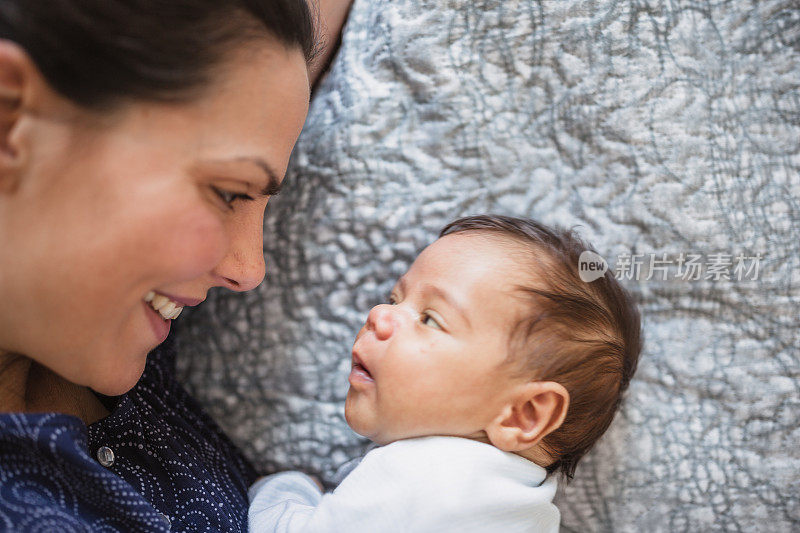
(416, 485)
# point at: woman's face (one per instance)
(152, 198)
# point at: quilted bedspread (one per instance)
(667, 131)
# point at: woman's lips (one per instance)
(359, 374)
(185, 302)
(169, 307)
(159, 325)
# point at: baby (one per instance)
(492, 367)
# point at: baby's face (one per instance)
(430, 362)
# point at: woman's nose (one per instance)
(381, 321)
(242, 268)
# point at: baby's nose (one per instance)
(381, 321)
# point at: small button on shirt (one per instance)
(156, 463)
(105, 456)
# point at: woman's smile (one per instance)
(167, 308)
(160, 325)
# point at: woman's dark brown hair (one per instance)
(584, 335)
(98, 53)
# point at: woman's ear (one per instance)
(538, 409)
(17, 71)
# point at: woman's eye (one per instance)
(392, 300)
(230, 197)
(429, 321)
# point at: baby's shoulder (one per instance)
(452, 460)
(444, 482)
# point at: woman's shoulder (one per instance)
(158, 454)
(168, 448)
(48, 480)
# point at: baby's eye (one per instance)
(429, 321)
(392, 299)
(230, 197)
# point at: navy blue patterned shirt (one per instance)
(156, 463)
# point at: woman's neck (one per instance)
(28, 387)
(14, 370)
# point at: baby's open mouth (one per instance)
(163, 305)
(359, 368)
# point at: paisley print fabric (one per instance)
(168, 467)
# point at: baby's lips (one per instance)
(357, 361)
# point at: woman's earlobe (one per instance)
(15, 68)
(538, 410)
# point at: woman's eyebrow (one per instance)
(274, 179)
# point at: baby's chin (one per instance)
(366, 423)
(353, 418)
(361, 425)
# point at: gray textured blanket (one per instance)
(667, 130)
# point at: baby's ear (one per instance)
(537, 410)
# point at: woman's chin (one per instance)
(119, 379)
(117, 388)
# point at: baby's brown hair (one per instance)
(584, 335)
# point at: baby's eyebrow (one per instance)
(450, 300)
(438, 292)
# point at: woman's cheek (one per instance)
(196, 242)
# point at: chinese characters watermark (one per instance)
(715, 266)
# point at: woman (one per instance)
(141, 142)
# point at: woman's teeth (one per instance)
(166, 308)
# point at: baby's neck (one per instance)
(535, 454)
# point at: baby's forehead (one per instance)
(510, 256)
(490, 278)
(496, 262)
(511, 248)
